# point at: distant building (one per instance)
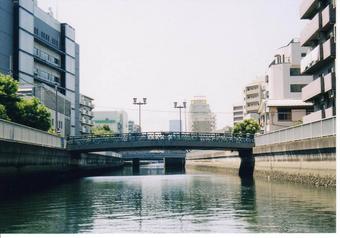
(319, 34)
(238, 111)
(174, 125)
(132, 127)
(253, 94)
(201, 119)
(86, 114)
(282, 105)
(41, 53)
(116, 120)
(226, 129)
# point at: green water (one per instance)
(150, 201)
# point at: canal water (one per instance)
(150, 201)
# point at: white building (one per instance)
(283, 105)
(253, 95)
(201, 119)
(116, 120)
(238, 111)
(132, 127)
(86, 114)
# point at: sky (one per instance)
(173, 50)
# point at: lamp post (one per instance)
(140, 103)
(184, 105)
(56, 108)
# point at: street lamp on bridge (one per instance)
(140, 103)
(180, 107)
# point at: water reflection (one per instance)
(192, 202)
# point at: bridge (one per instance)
(168, 141)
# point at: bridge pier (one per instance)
(247, 165)
(174, 165)
(135, 166)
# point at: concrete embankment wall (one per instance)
(27, 159)
(310, 161)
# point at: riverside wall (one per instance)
(310, 161)
(22, 159)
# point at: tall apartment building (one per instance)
(283, 106)
(201, 119)
(319, 34)
(86, 114)
(238, 111)
(41, 53)
(116, 120)
(253, 94)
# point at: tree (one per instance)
(8, 95)
(247, 126)
(101, 130)
(32, 113)
(3, 113)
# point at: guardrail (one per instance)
(159, 136)
(20, 133)
(325, 127)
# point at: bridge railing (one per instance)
(159, 136)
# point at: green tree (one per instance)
(101, 130)
(3, 113)
(247, 126)
(8, 95)
(32, 113)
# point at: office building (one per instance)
(319, 35)
(283, 105)
(86, 114)
(41, 53)
(201, 119)
(116, 120)
(238, 111)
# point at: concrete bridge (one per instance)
(169, 141)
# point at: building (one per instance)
(238, 111)
(132, 127)
(319, 35)
(174, 125)
(283, 105)
(116, 120)
(41, 53)
(86, 114)
(253, 94)
(201, 119)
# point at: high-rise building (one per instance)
(253, 94)
(282, 105)
(41, 53)
(174, 125)
(86, 114)
(116, 120)
(319, 35)
(238, 111)
(201, 119)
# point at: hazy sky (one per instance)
(173, 50)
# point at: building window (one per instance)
(284, 114)
(295, 72)
(296, 88)
(303, 54)
(309, 110)
(36, 31)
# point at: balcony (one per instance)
(253, 99)
(328, 48)
(314, 116)
(309, 62)
(252, 108)
(311, 90)
(87, 103)
(329, 81)
(311, 30)
(308, 8)
(328, 17)
(329, 112)
(88, 122)
(252, 91)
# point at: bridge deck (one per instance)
(160, 140)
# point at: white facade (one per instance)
(253, 94)
(282, 105)
(238, 111)
(201, 119)
(116, 120)
(86, 114)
